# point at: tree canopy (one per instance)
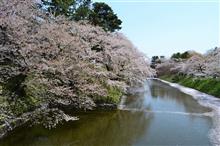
(60, 7)
(98, 13)
(179, 55)
(102, 15)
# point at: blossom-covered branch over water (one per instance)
(49, 64)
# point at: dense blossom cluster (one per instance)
(57, 61)
(197, 65)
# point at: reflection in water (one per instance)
(141, 102)
(164, 96)
(156, 115)
(94, 128)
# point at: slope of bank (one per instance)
(207, 85)
(49, 66)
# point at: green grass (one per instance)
(207, 85)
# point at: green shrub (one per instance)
(113, 96)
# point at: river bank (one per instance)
(207, 85)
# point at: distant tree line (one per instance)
(98, 13)
(179, 55)
(155, 60)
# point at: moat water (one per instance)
(156, 114)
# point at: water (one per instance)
(157, 114)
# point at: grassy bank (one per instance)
(207, 85)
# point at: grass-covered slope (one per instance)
(207, 85)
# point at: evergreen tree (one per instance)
(60, 7)
(102, 15)
(83, 10)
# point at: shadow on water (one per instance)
(147, 119)
(94, 128)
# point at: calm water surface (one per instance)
(158, 115)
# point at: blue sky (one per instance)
(158, 27)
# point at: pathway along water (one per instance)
(158, 114)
